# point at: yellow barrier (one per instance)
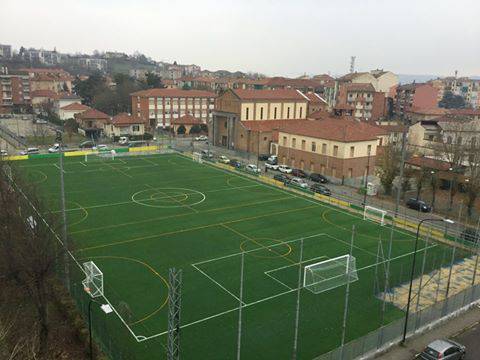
(79, 153)
(15, 157)
(143, 148)
(413, 226)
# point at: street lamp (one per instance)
(448, 221)
(107, 309)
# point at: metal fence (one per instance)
(388, 335)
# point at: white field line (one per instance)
(269, 298)
(217, 283)
(278, 281)
(304, 261)
(355, 246)
(58, 167)
(158, 198)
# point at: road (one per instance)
(470, 338)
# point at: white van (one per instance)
(29, 151)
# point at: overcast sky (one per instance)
(273, 37)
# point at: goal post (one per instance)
(93, 282)
(374, 214)
(330, 274)
(197, 157)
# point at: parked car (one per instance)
(318, 178)
(207, 154)
(273, 159)
(285, 169)
(235, 163)
(86, 145)
(223, 159)
(443, 349)
(418, 205)
(263, 157)
(54, 149)
(201, 138)
(101, 147)
(252, 168)
(40, 121)
(29, 151)
(271, 165)
(299, 182)
(3, 153)
(470, 234)
(299, 173)
(282, 177)
(320, 189)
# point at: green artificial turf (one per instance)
(138, 216)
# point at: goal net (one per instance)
(93, 283)
(329, 274)
(100, 156)
(197, 157)
(374, 214)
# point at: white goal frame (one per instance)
(344, 270)
(196, 156)
(367, 210)
(93, 282)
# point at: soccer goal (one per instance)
(93, 283)
(374, 214)
(197, 157)
(100, 156)
(329, 274)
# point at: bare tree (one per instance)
(388, 170)
(472, 181)
(434, 185)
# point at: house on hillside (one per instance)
(69, 111)
(91, 123)
(124, 124)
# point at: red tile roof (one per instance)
(75, 107)
(465, 112)
(314, 98)
(429, 163)
(43, 93)
(124, 119)
(427, 111)
(360, 87)
(317, 114)
(92, 114)
(174, 93)
(280, 94)
(337, 129)
(293, 83)
(187, 119)
(66, 95)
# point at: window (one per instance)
(314, 146)
(350, 172)
(459, 140)
(284, 141)
(303, 144)
(335, 150)
(324, 148)
(288, 112)
(225, 124)
(246, 113)
(334, 171)
(264, 138)
(369, 150)
(274, 113)
(261, 113)
(136, 128)
(294, 142)
(301, 109)
(352, 151)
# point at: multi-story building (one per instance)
(15, 91)
(340, 148)
(245, 119)
(366, 103)
(56, 80)
(5, 51)
(92, 122)
(163, 106)
(415, 96)
(47, 57)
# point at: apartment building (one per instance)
(15, 92)
(5, 51)
(56, 80)
(381, 80)
(468, 88)
(415, 95)
(366, 103)
(162, 107)
(340, 148)
(246, 119)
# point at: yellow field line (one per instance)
(180, 215)
(116, 169)
(256, 242)
(195, 228)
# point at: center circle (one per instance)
(275, 248)
(161, 197)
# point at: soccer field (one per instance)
(138, 216)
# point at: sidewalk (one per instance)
(449, 329)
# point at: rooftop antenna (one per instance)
(352, 64)
(456, 73)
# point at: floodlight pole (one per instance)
(297, 312)
(366, 181)
(347, 295)
(240, 307)
(64, 219)
(412, 273)
(174, 307)
(90, 344)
